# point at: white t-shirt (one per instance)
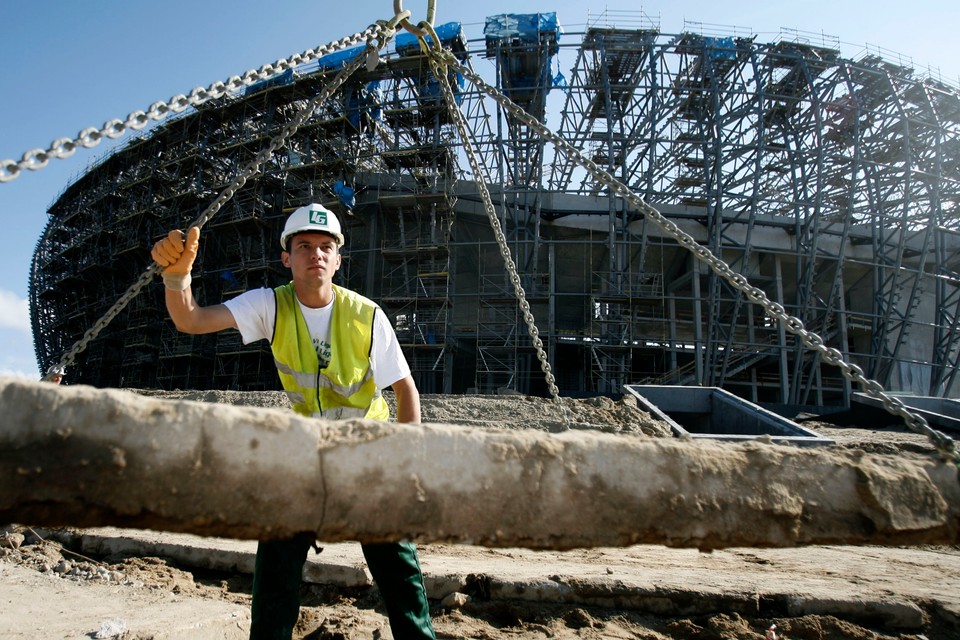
(255, 313)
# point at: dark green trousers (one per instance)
(276, 587)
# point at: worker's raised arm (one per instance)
(176, 255)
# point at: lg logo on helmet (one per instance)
(318, 217)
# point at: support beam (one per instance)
(79, 456)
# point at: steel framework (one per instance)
(833, 184)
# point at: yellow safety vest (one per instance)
(345, 388)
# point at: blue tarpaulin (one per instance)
(722, 48)
(281, 78)
(521, 71)
(338, 59)
(364, 101)
(345, 193)
(407, 45)
(431, 88)
(525, 26)
(449, 33)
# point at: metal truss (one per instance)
(832, 184)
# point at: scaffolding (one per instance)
(416, 283)
(832, 184)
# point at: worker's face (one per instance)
(312, 257)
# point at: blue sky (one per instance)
(66, 65)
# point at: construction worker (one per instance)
(315, 327)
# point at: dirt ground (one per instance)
(903, 593)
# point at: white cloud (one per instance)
(16, 356)
(14, 312)
(27, 375)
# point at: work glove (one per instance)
(176, 255)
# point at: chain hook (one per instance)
(428, 32)
(389, 27)
(418, 30)
(391, 24)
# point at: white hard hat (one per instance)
(313, 217)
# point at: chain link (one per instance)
(90, 137)
(381, 32)
(424, 27)
(794, 325)
(440, 74)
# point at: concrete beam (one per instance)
(79, 456)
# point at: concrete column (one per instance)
(79, 456)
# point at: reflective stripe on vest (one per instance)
(345, 388)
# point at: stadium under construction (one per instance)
(831, 183)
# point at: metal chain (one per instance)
(440, 74)
(90, 137)
(422, 28)
(382, 32)
(64, 147)
(794, 325)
